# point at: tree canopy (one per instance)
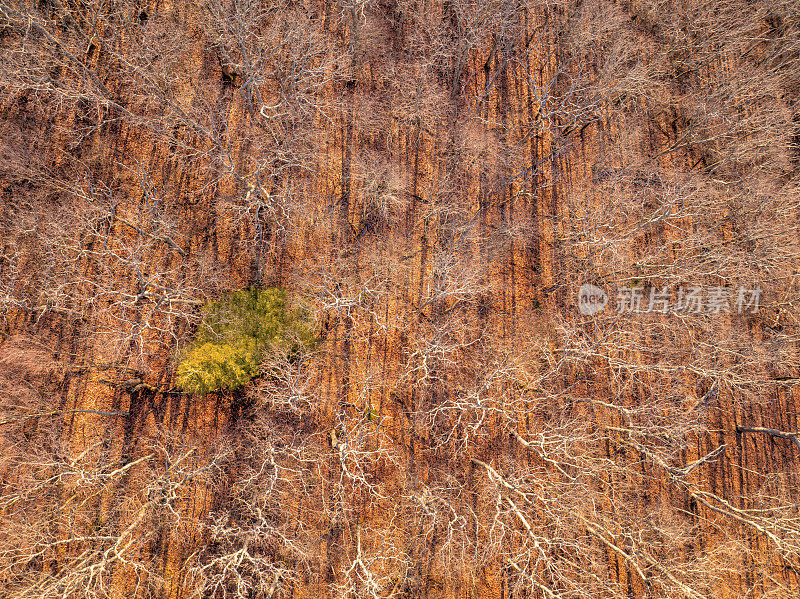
(235, 333)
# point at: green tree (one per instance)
(235, 333)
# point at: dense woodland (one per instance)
(424, 185)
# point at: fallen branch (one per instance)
(769, 431)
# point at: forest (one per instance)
(442, 299)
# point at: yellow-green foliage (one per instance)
(234, 335)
